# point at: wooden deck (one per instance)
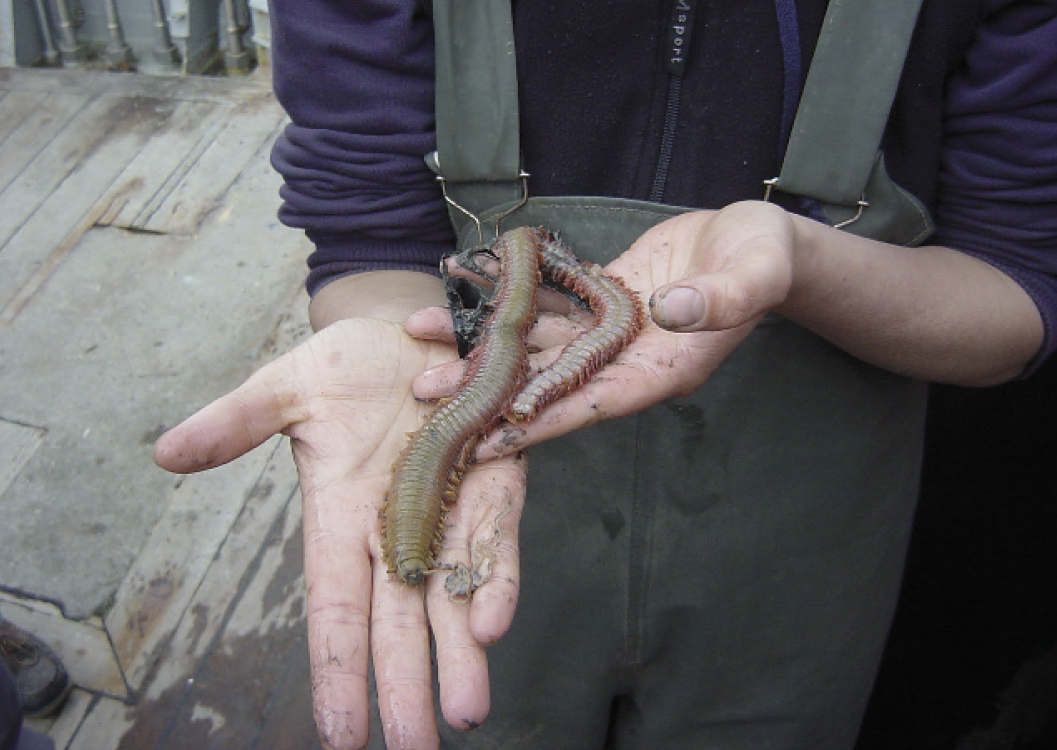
(137, 222)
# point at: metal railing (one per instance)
(151, 36)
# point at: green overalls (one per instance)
(718, 571)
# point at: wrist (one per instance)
(806, 262)
(390, 295)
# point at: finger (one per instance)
(678, 307)
(546, 339)
(738, 266)
(444, 380)
(551, 333)
(402, 664)
(431, 324)
(714, 302)
(612, 392)
(462, 667)
(488, 264)
(553, 330)
(576, 410)
(439, 382)
(338, 578)
(549, 300)
(473, 605)
(650, 371)
(496, 548)
(232, 425)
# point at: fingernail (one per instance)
(677, 307)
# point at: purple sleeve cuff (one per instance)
(356, 79)
(997, 190)
(338, 255)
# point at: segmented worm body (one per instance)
(429, 470)
(619, 318)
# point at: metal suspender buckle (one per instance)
(772, 183)
(523, 175)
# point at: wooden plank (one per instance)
(185, 631)
(64, 726)
(21, 288)
(197, 614)
(115, 300)
(50, 167)
(163, 163)
(154, 596)
(290, 723)
(28, 123)
(236, 685)
(247, 132)
(59, 195)
(17, 443)
(211, 524)
(15, 106)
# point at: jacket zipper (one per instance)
(677, 49)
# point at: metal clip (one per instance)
(451, 202)
(863, 204)
(476, 219)
(524, 199)
(769, 185)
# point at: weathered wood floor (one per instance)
(143, 273)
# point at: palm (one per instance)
(344, 399)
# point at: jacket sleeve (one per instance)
(356, 79)
(997, 192)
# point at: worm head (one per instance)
(412, 571)
(468, 300)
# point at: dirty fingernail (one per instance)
(677, 307)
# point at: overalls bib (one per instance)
(720, 570)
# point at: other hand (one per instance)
(709, 276)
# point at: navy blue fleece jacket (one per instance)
(973, 131)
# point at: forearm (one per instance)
(383, 295)
(931, 313)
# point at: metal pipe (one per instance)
(242, 12)
(165, 53)
(118, 54)
(236, 57)
(74, 55)
(51, 55)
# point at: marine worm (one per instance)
(620, 316)
(428, 472)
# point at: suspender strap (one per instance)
(477, 108)
(847, 98)
(832, 156)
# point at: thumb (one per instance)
(740, 261)
(678, 307)
(738, 294)
(709, 302)
(225, 429)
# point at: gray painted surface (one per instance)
(142, 273)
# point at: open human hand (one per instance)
(344, 399)
(710, 276)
